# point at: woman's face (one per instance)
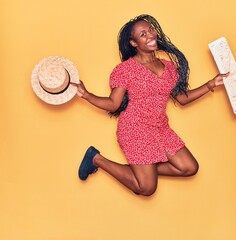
(144, 37)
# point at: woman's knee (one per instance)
(190, 170)
(147, 189)
(145, 178)
(185, 163)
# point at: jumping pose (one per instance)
(140, 88)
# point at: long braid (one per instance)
(164, 43)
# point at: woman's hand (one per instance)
(196, 93)
(81, 90)
(216, 81)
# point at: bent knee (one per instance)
(191, 170)
(147, 190)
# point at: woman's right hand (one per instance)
(81, 90)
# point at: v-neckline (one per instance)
(146, 68)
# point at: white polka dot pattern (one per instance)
(143, 131)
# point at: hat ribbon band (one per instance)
(63, 90)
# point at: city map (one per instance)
(226, 63)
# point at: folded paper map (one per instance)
(226, 63)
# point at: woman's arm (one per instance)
(196, 93)
(110, 103)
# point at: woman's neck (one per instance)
(145, 58)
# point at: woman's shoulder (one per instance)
(121, 75)
(168, 63)
(170, 67)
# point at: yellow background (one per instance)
(41, 146)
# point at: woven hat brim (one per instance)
(55, 99)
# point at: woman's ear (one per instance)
(133, 43)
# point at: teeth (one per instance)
(151, 43)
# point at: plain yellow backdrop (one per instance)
(41, 146)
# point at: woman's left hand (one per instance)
(218, 79)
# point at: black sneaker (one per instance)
(87, 167)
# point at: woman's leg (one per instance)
(141, 179)
(182, 164)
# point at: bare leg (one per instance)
(182, 164)
(141, 179)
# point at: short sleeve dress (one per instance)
(143, 130)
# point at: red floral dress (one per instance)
(143, 131)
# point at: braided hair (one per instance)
(126, 51)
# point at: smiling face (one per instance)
(144, 37)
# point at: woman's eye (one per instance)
(143, 35)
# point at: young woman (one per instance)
(140, 88)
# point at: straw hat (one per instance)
(51, 79)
